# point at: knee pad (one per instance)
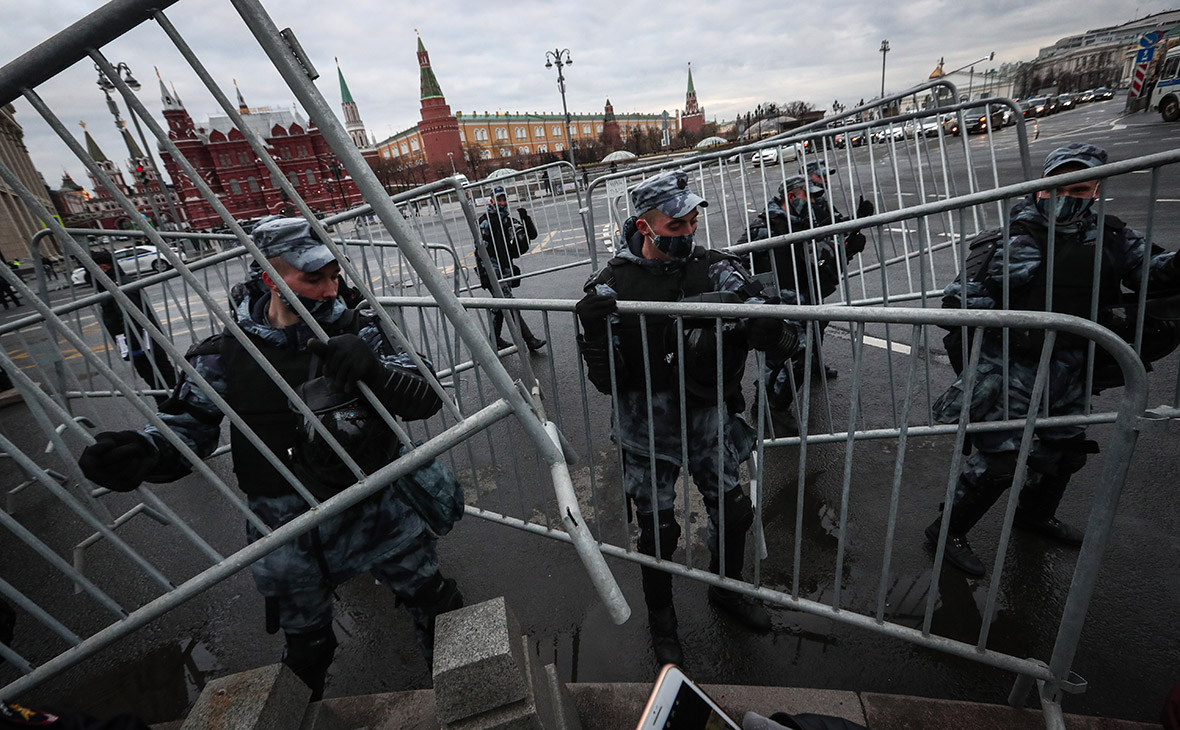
(438, 596)
(739, 512)
(668, 529)
(1000, 469)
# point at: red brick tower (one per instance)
(610, 126)
(183, 134)
(439, 128)
(693, 118)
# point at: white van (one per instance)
(1166, 95)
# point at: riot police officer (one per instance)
(382, 534)
(1058, 452)
(658, 262)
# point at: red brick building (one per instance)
(227, 163)
(147, 193)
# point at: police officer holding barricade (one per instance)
(657, 262)
(806, 271)
(1057, 452)
(506, 239)
(382, 534)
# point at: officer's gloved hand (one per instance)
(764, 332)
(119, 460)
(523, 213)
(864, 208)
(592, 310)
(409, 395)
(855, 244)
(348, 359)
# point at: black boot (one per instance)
(977, 498)
(531, 341)
(434, 599)
(1037, 507)
(657, 585)
(309, 655)
(664, 641)
(748, 612)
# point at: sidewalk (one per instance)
(618, 707)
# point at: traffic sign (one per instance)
(1145, 55)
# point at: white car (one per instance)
(771, 155)
(134, 261)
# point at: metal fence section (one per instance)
(80, 359)
(894, 161)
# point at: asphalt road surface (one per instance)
(1129, 653)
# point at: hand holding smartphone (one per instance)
(678, 704)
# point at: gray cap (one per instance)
(292, 240)
(667, 192)
(498, 191)
(817, 167)
(1078, 153)
(798, 182)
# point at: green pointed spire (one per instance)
(430, 87)
(92, 147)
(691, 90)
(345, 94)
(132, 147)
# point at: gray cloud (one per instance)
(491, 57)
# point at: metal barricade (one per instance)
(896, 163)
(507, 402)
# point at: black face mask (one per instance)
(319, 308)
(678, 247)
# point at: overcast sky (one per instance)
(491, 55)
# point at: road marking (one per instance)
(884, 345)
(1168, 200)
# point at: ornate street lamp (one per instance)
(561, 57)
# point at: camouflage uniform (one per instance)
(713, 463)
(1059, 451)
(806, 272)
(382, 534)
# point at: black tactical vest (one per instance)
(264, 407)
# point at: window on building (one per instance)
(505, 152)
(405, 149)
(244, 158)
(310, 176)
(414, 145)
(542, 149)
(252, 183)
(302, 151)
(501, 133)
(522, 133)
(559, 147)
(293, 177)
(523, 150)
(385, 153)
(481, 135)
(585, 129)
(556, 130)
(485, 154)
(600, 129)
(538, 131)
(235, 188)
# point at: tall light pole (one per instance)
(561, 57)
(451, 157)
(884, 50)
(123, 72)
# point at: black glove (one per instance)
(764, 332)
(855, 244)
(597, 354)
(119, 460)
(593, 309)
(530, 228)
(409, 395)
(348, 359)
(864, 208)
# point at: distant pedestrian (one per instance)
(506, 238)
(585, 178)
(6, 293)
(48, 267)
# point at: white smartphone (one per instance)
(678, 704)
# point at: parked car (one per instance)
(133, 261)
(1086, 96)
(1102, 93)
(771, 155)
(1066, 101)
(1040, 105)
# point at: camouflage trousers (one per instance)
(713, 463)
(1054, 448)
(404, 573)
